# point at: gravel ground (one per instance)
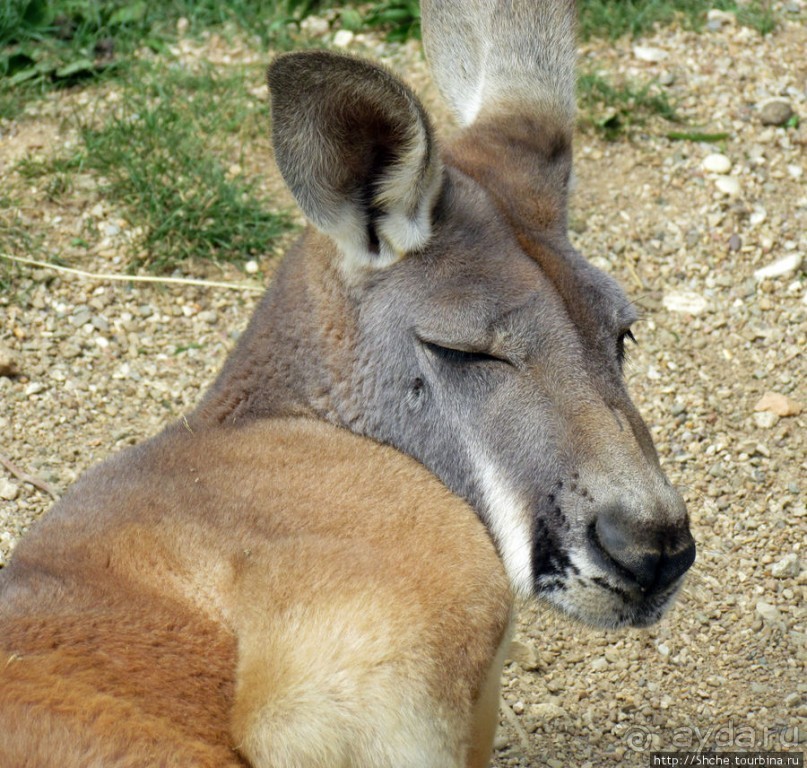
(708, 239)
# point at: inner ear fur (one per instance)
(357, 151)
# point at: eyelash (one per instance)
(621, 352)
(460, 356)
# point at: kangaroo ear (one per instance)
(356, 149)
(516, 56)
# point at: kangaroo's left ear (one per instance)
(357, 151)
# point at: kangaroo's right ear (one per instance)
(356, 149)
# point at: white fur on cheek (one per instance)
(508, 520)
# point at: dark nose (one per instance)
(652, 555)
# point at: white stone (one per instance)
(251, 267)
(769, 613)
(687, 302)
(721, 17)
(787, 265)
(757, 216)
(8, 490)
(766, 419)
(314, 26)
(787, 567)
(649, 54)
(728, 185)
(209, 316)
(343, 38)
(716, 163)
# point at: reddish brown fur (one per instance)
(120, 619)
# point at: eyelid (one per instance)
(460, 352)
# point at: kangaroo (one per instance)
(425, 418)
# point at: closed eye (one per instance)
(461, 356)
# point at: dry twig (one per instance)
(26, 478)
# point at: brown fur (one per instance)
(120, 620)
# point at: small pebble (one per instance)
(770, 613)
(780, 404)
(728, 185)
(315, 26)
(787, 265)
(792, 700)
(8, 490)
(649, 54)
(81, 317)
(758, 215)
(766, 420)
(502, 740)
(687, 302)
(716, 163)
(208, 316)
(343, 38)
(775, 112)
(786, 568)
(524, 655)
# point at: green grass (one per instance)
(46, 45)
(173, 186)
(614, 18)
(614, 110)
(162, 156)
(401, 18)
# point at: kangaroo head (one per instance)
(438, 306)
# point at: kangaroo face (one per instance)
(472, 361)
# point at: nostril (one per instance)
(676, 562)
(625, 548)
(652, 556)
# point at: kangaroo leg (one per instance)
(486, 710)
